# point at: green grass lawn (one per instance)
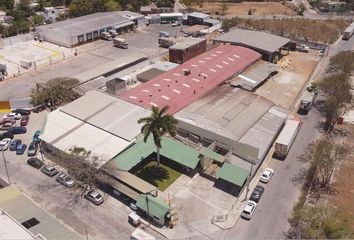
(161, 182)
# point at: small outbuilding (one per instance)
(197, 18)
(267, 44)
(191, 47)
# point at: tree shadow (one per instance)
(300, 178)
(153, 175)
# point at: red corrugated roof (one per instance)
(207, 70)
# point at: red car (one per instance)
(24, 120)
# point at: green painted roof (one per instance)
(157, 207)
(232, 174)
(213, 155)
(174, 150)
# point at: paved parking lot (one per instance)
(143, 42)
(107, 221)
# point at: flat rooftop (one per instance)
(256, 39)
(87, 23)
(177, 89)
(187, 43)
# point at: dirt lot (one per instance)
(261, 8)
(293, 71)
(344, 178)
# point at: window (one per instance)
(95, 34)
(30, 223)
(89, 36)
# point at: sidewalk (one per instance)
(234, 214)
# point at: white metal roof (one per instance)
(108, 113)
(256, 39)
(101, 143)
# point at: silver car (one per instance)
(49, 170)
(94, 197)
(249, 209)
(66, 180)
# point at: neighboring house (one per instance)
(150, 9)
(49, 14)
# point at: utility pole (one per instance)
(5, 163)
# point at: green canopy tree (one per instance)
(158, 124)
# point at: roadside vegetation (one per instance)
(325, 31)
(311, 217)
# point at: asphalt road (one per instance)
(275, 207)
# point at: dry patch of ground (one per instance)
(344, 177)
(293, 72)
(259, 8)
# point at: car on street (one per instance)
(66, 180)
(321, 52)
(21, 111)
(35, 137)
(24, 120)
(4, 144)
(133, 207)
(7, 134)
(266, 175)
(38, 108)
(7, 124)
(94, 197)
(257, 193)
(176, 23)
(32, 149)
(20, 149)
(35, 162)
(249, 209)
(16, 116)
(18, 130)
(14, 144)
(49, 170)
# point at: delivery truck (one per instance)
(120, 42)
(106, 36)
(306, 101)
(286, 138)
(348, 32)
(139, 234)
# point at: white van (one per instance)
(134, 219)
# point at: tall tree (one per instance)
(342, 62)
(158, 124)
(325, 155)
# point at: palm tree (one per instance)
(158, 124)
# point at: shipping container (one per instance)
(286, 138)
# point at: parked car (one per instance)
(38, 108)
(66, 180)
(21, 111)
(133, 207)
(7, 124)
(16, 116)
(49, 170)
(35, 137)
(266, 175)
(249, 209)
(32, 149)
(257, 193)
(20, 149)
(94, 197)
(321, 52)
(35, 162)
(14, 144)
(24, 120)
(4, 144)
(18, 130)
(176, 23)
(7, 134)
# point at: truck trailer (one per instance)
(306, 101)
(286, 138)
(120, 42)
(166, 42)
(348, 32)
